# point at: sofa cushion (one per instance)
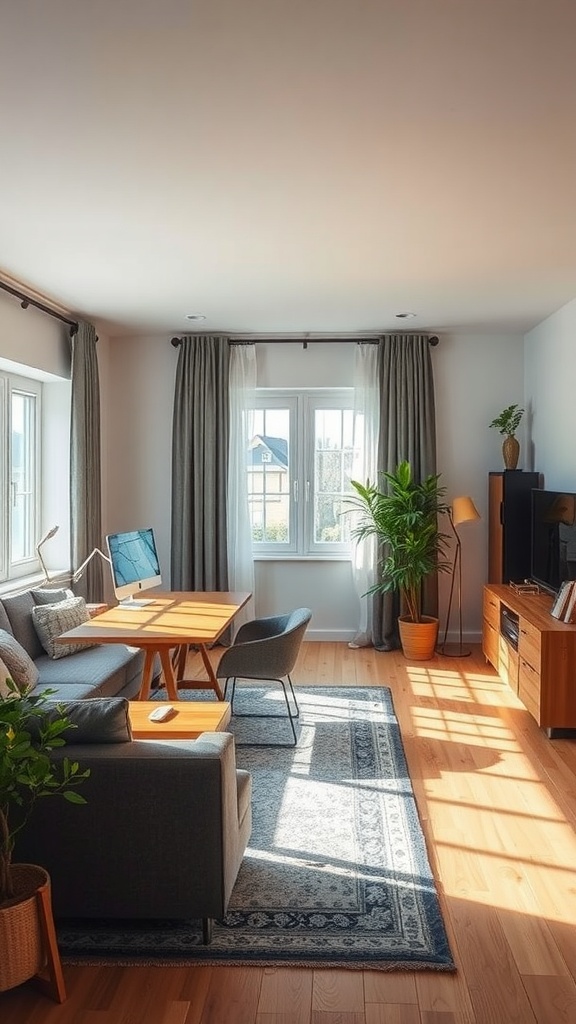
(95, 720)
(18, 662)
(50, 596)
(102, 671)
(4, 620)
(51, 620)
(19, 612)
(4, 675)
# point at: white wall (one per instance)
(550, 367)
(475, 377)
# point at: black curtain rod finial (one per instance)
(175, 342)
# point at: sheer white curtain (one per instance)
(242, 386)
(367, 426)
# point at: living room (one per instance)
(458, 210)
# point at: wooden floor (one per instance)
(497, 801)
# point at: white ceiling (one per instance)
(285, 166)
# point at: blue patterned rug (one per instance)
(336, 873)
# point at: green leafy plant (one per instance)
(508, 421)
(404, 519)
(29, 732)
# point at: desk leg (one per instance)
(146, 675)
(169, 677)
(197, 684)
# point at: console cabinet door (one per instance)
(509, 510)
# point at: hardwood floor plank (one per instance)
(287, 990)
(390, 987)
(392, 1013)
(338, 1017)
(232, 996)
(337, 991)
(553, 999)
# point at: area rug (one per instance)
(336, 873)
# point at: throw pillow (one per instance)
(94, 719)
(4, 675)
(51, 620)
(20, 666)
(51, 596)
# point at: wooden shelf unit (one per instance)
(542, 670)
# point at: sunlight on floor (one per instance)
(491, 796)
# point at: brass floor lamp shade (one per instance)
(462, 510)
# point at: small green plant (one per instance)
(508, 421)
(29, 732)
(404, 519)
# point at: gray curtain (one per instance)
(407, 431)
(85, 461)
(200, 438)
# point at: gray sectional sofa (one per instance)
(106, 670)
(165, 824)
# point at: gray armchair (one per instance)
(267, 649)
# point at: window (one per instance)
(300, 461)
(20, 417)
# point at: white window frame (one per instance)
(302, 404)
(10, 383)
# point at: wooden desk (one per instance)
(189, 719)
(171, 620)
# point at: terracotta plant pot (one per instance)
(418, 638)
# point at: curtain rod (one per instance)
(433, 340)
(26, 300)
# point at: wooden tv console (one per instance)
(540, 663)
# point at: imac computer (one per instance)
(135, 565)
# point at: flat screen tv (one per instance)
(135, 564)
(553, 544)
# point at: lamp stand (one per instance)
(455, 650)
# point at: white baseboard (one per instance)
(345, 636)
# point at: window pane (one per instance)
(23, 483)
(333, 458)
(269, 477)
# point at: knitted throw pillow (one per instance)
(51, 620)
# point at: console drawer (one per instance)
(530, 644)
(529, 688)
(491, 609)
(490, 642)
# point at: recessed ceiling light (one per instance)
(405, 316)
(195, 316)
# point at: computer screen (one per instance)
(134, 561)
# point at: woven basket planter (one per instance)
(20, 928)
(418, 639)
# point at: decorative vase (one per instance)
(418, 639)
(511, 451)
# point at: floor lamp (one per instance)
(462, 510)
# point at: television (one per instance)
(135, 564)
(553, 538)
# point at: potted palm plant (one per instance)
(30, 729)
(404, 519)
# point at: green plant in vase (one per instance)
(507, 423)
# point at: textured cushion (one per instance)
(4, 675)
(51, 620)
(19, 611)
(96, 720)
(18, 662)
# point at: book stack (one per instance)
(564, 606)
